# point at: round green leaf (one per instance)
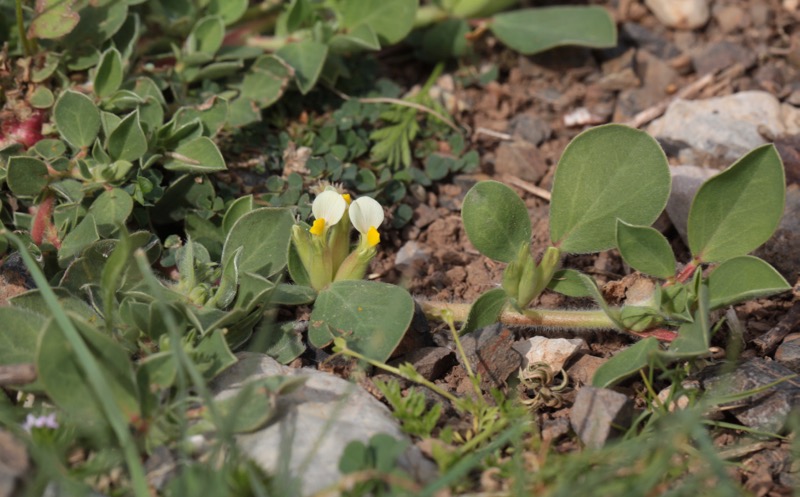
(626, 363)
(391, 20)
(264, 234)
(485, 310)
(645, 250)
(207, 35)
(77, 118)
(743, 278)
(54, 19)
(371, 316)
(127, 141)
(108, 77)
(111, 209)
(307, 59)
(21, 330)
(42, 98)
(530, 31)
(229, 10)
(737, 210)
(496, 220)
(26, 176)
(199, 155)
(605, 173)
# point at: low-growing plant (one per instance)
(611, 183)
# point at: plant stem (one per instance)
(543, 318)
(23, 38)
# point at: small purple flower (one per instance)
(48, 421)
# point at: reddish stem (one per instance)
(43, 224)
(662, 334)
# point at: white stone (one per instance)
(726, 127)
(681, 14)
(313, 425)
(555, 352)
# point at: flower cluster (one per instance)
(43, 421)
(324, 248)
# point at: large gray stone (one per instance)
(726, 127)
(598, 414)
(313, 425)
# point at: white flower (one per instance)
(366, 214)
(48, 421)
(328, 209)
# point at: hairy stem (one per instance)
(543, 318)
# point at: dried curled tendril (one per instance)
(537, 378)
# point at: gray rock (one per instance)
(788, 353)
(521, 159)
(654, 43)
(717, 56)
(532, 129)
(555, 352)
(409, 254)
(431, 362)
(686, 180)
(313, 425)
(726, 127)
(681, 14)
(783, 249)
(584, 368)
(489, 352)
(767, 410)
(598, 413)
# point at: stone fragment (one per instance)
(598, 414)
(521, 159)
(651, 41)
(686, 180)
(767, 410)
(584, 368)
(431, 362)
(313, 425)
(555, 352)
(554, 428)
(719, 55)
(489, 352)
(788, 352)
(730, 17)
(533, 129)
(726, 127)
(681, 14)
(409, 254)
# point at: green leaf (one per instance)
(625, 363)
(281, 341)
(743, 278)
(26, 176)
(42, 98)
(264, 233)
(110, 210)
(212, 355)
(64, 379)
(485, 310)
(569, 282)
(127, 141)
(83, 235)
(108, 77)
(371, 316)
(361, 38)
(307, 59)
(21, 330)
(595, 293)
(77, 118)
(229, 10)
(605, 173)
(54, 19)
(496, 220)
(530, 31)
(287, 294)
(236, 210)
(693, 338)
(737, 210)
(199, 155)
(391, 20)
(645, 250)
(206, 36)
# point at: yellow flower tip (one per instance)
(373, 237)
(346, 197)
(318, 227)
